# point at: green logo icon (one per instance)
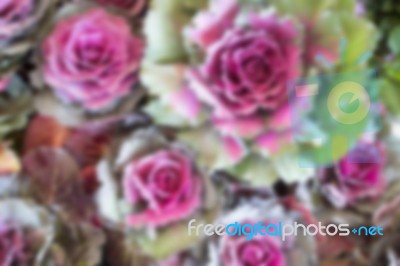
(337, 110)
(348, 103)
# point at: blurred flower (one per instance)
(84, 63)
(14, 14)
(245, 73)
(165, 183)
(356, 176)
(28, 237)
(239, 86)
(360, 170)
(133, 7)
(262, 250)
(259, 251)
(216, 77)
(25, 231)
(241, 56)
(19, 20)
(13, 250)
(164, 187)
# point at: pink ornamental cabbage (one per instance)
(358, 175)
(12, 247)
(21, 22)
(166, 186)
(16, 16)
(244, 76)
(360, 172)
(92, 58)
(260, 251)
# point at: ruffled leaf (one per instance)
(54, 179)
(19, 36)
(161, 247)
(389, 86)
(81, 244)
(213, 150)
(165, 115)
(255, 170)
(289, 168)
(163, 29)
(15, 106)
(394, 40)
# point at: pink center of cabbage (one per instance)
(256, 69)
(166, 183)
(91, 48)
(254, 254)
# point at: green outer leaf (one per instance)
(163, 28)
(13, 51)
(165, 115)
(394, 40)
(288, 168)
(256, 170)
(174, 238)
(390, 95)
(15, 106)
(361, 37)
(208, 146)
(331, 22)
(165, 43)
(345, 5)
(390, 86)
(312, 8)
(161, 79)
(301, 7)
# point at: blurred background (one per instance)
(123, 120)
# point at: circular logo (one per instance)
(352, 97)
